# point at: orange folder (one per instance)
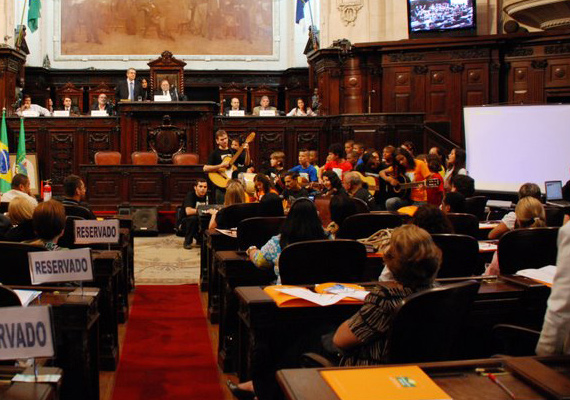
(387, 383)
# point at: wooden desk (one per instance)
(76, 321)
(515, 300)
(27, 390)
(457, 378)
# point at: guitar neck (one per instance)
(236, 155)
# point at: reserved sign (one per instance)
(25, 332)
(61, 113)
(236, 113)
(99, 113)
(93, 231)
(267, 113)
(60, 266)
(30, 113)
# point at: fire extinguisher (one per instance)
(46, 190)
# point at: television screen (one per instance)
(441, 16)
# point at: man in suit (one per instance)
(103, 105)
(166, 90)
(263, 105)
(67, 106)
(129, 89)
(234, 106)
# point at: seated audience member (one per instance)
(352, 158)
(359, 149)
(49, 224)
(305, 169)
(20, 188)
(68, 106)
(301, 110)
(439, 153)
(198, 196)
(353, 186)
(166, 90)
(434, 194)
(388, 156)
(234, 106)
(348, 146)
(263, 105)
(74, 194)
(416, 170)
(432, 220)
(453, 202)
(332, 185)
(455, 166)
(336, 160)
(508, 221)
(555, 335)
(409, 146)
(263, 186)
(235, 194)
(292, 188)
(28, 106)
(463, 184)
(276, 169)
(341, 207)
(302, 224)
(20, 212)
(145, 90)
(413, 260)
(103, 105)
(271, 205)
(529, 214)
(314, 158)
(370, 163)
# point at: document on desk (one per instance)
(543, 275)
(317, 298)
(487, 246)
(27, 296)
(228, 232)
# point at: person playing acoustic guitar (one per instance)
(405, 166)
(216, 160)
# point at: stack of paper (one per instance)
(543, 275)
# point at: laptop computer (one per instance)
(554, 194)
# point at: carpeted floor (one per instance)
(163, 261)
(167, 352)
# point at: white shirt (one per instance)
(11, 194)
(555, 335)
(34, 107)
(296, 112)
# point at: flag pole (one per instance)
(313, 39)
(21, 32)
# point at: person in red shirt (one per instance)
(337, 161)
(435, 194)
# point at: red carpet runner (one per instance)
(167, 352)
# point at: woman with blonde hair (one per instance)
(530, 214)
(20, 211)
(235, 194)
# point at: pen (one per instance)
(501, 385)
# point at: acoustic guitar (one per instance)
(403, 189)
(221, 177)
(371, 181)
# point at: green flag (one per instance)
(5, 174)
(21, 154)
(34, 13)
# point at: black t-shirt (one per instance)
(193, 200)
(290, 195)
(217, 156)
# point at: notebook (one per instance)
(554, 194)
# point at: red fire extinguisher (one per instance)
(46, 190)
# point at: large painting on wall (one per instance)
(185, 27)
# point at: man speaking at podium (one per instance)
(171, 93)
(129, 89)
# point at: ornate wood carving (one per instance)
(167, 140)
(520, 52)
(539, 64)
(557, 49)
(61, 148)
(406, 57)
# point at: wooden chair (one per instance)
(107, 158)
(232, 215)
(144, 158)
(318, 261)
(527, 248)
(460, 255)
(464, 224)
(9, 298)
(186, 159)
(359, 226)
(15, 264)
(476, 205)
(257, 231)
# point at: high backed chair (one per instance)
(67, 240)
(144, 158)
(527, 248)
(186, 159)
(554, 215)
(232, 215)
(464, 224)
(318, 261)
(361, 206)
(15, 265)
(476, 205)
(515, 340)
(107, 158)
(257, 231)
(359, 226)
(460, 255)
(428, 325)
(9, 298)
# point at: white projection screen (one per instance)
(509, 145)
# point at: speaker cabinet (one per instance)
(145, 221)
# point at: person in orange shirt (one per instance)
(263, 186)
(415, 170)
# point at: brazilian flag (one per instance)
(5, 174)
(21, 154)
(34, 13)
